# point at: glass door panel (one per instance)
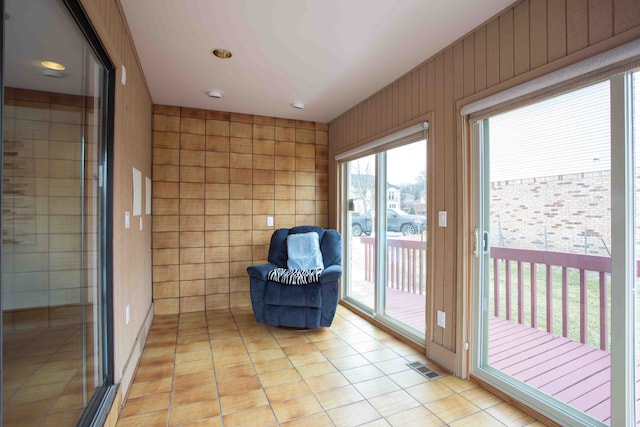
(636, 205)
(53, 239)
(406, 247)
(360, 231)
(547, 198)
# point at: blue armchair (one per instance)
(306, 306)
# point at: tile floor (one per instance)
(221, 368)
(43, 376)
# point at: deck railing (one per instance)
(406, 264)
(502, 287)
(406, 271)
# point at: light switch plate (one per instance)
(441, 319)
(269, 221)
(127, 219)
(442, 219)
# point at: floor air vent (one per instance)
(424, 370)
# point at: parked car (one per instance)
(397, 220)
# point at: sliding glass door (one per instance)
(385, 235)
(556, 189)
(56, 246)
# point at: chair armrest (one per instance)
(331, 273)
(260, 271)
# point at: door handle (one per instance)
(476, 242)
(485, 242)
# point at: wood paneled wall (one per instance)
(217, 176)
(132, 148)
(529, 39)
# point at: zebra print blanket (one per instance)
(294, 277)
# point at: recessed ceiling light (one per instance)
(52, 73)
(298, 105)
(221, 53)
(53, 65)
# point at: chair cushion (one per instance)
(303, 251)
(294, 277)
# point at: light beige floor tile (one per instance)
(429, 391)
(339, 397)
(143, 405)
(393, 403)
(316, 420)
(326, 382)
(509, 415)
(193, 412)
(316, 369)
(393, 366)
(262, 416)
(452, 408)
(408, 418)
(149, 419)
(376, 387)
(194, 356)
(332, 342)
(262, 355)
(239, 385)
(272, 365)
(350, 362)
(354, 414)
(481, 397)
(306, 358)
(287, 410)
(380, 422)
(204, 366)
(339, 352)
(273, 378)
(456, 384)
(262, 344)
(292, 340)
(362, 373)
(377, 356)
(477, 419)
(193, 346)
(300, 349)
(239, 402)
(195, 394)
(191, 380)
(408, 378)
(232, 373)
(287, 391)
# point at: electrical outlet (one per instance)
(269, 221)
(441, 319)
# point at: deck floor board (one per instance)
(574, 373)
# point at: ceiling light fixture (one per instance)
(298, 105)
(52, 73)
(51, 65)
(222, 53)
(214, 94)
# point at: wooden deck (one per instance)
(574, 373)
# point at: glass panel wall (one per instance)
(53, 217)
(557, 254)
(386, 238)
(361, 202)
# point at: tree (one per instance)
(363, 182)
